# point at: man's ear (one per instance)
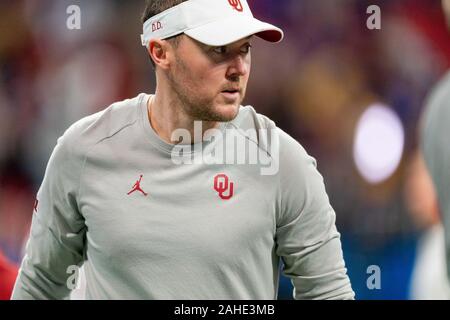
(158, 51)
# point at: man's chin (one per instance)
(227, 112)
(217, 112)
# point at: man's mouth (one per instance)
(231, 95)
(231, 91)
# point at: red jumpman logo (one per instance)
(137, 187)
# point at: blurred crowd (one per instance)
(315, 85)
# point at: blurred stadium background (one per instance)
(352, 96)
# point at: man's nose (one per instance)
(238, 66)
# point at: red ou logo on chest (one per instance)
(222, 185)
(236, 4)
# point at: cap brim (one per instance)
(232, 29)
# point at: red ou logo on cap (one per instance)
(236, 4)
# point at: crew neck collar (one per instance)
(158, 142)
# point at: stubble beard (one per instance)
(196, 107)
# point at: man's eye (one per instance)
(246, 49)
(220, 50)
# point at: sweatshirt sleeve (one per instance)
(306, 236)
(57, 235)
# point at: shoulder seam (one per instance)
(249, 139)
(90, 148)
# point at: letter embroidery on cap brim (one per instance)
(236, 4)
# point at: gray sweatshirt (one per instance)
(147, 227)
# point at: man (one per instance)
(428, 279)
(121, 196)
(436, 144)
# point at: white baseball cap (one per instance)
(211, 22)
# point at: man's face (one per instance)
(210, 81)
(446, 6)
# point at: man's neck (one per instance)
(167, 115)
